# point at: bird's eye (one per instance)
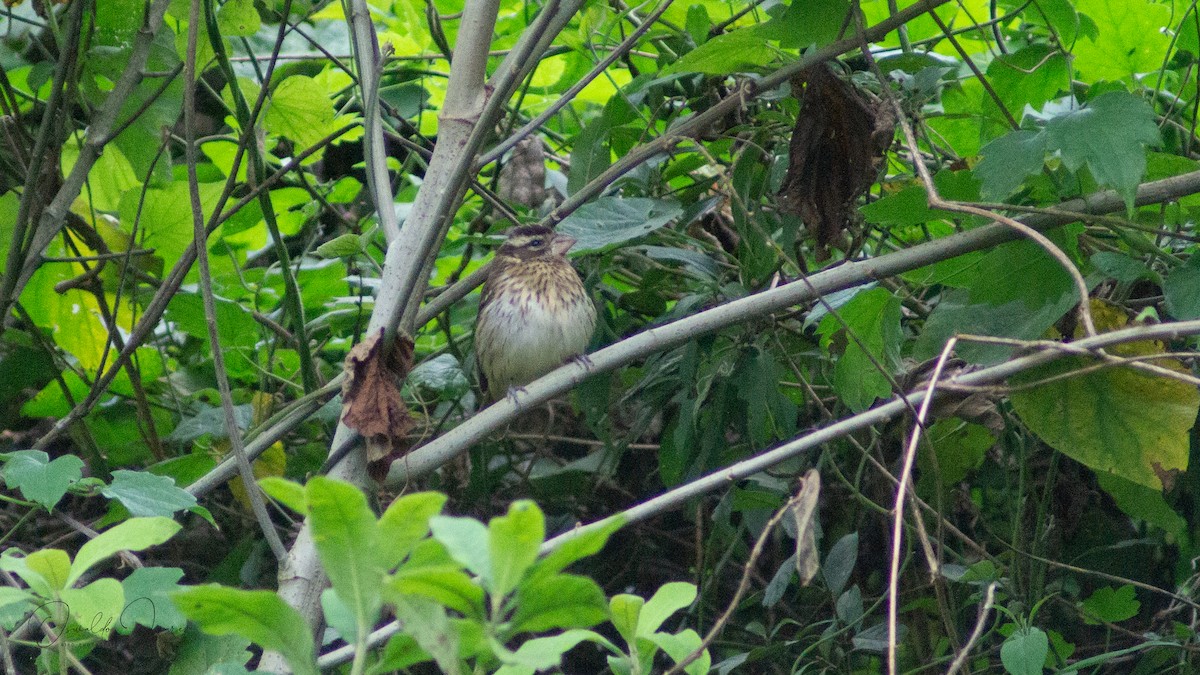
(537, 242)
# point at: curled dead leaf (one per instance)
(371, 401)
(837, 146)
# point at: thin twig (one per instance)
(910, 458)
(984, 609)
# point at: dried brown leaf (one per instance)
(371, 401)
(804, 511)
(837, 146)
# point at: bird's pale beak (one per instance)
(562, 243)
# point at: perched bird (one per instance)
(535, 314)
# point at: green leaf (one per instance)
(148, 599)
(259, 616)
(238, 18)
(345, 246)
(742, 50)
(559, 601)
(513, 543)
(344, 532)
(839, 563)
(13, 596)
(146, 494)
(443, 375)
(626, 611)
(134, 534)
(300, 109)
(1024, 652)
(400, 652)
(670, 598)
(203, 654)
(590, 155)
(873, 317)
(286, 492)
(1062, 17)
(546, 653)
(680, 645)
(97, 606)
(585, 543)
(1143, 503)
(1111, 605)
(1110, 136)
(609, 222)
(1182, 290)
(809, 23)
(52, 564)
(39, 479)
(1131, 39)
(1009, 160)
(448, 586)
(1117, 420)
(11, 561)
(428, 624)
(466, 539)
(405, 523)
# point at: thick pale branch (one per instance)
(458, 440)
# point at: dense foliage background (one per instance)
(796, 221)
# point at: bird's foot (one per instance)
(513, 392)
(582, 359)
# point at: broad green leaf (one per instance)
(559, 601)
(400, 652)
(839, 563)
(546, 653)
(442, 375)
(39, 479)
(1024, 652)
(1131, 40)
(514, 540)
(299, 109)
(13, 596)
(1028, 77)
(211, 421)
(344, 532)
(165, 222)
(1143, 503)
(680, 645)
(466, 540)
(134, 534)
(200, 652)
(1110, 136)
(447, 586)
(406, 522)
(148, 599)
(1116, 420)
(626, 611)
(1009, 160)
(590, 155)
(668, 599)
(345, 246)
(609, 222)
(868, 335)
(1063, 19)
(809, 23)
(236, 327)
(238, 18)
(1111, 605)
(52, 564)
(1182, 290)
(959, 448)
(1126, 269)
(259, 616)
(10, 561)
(428, 624)
(584, 544)
(738, 51)
(286, 492)
(97, 606)
(145, 494)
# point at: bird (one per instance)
(534, 315)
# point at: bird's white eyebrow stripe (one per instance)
(522, 240)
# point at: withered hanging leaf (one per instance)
(837, 146)
(804, 511)
(371, 401)
(523, 178)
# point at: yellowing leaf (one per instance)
(1117, 420)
